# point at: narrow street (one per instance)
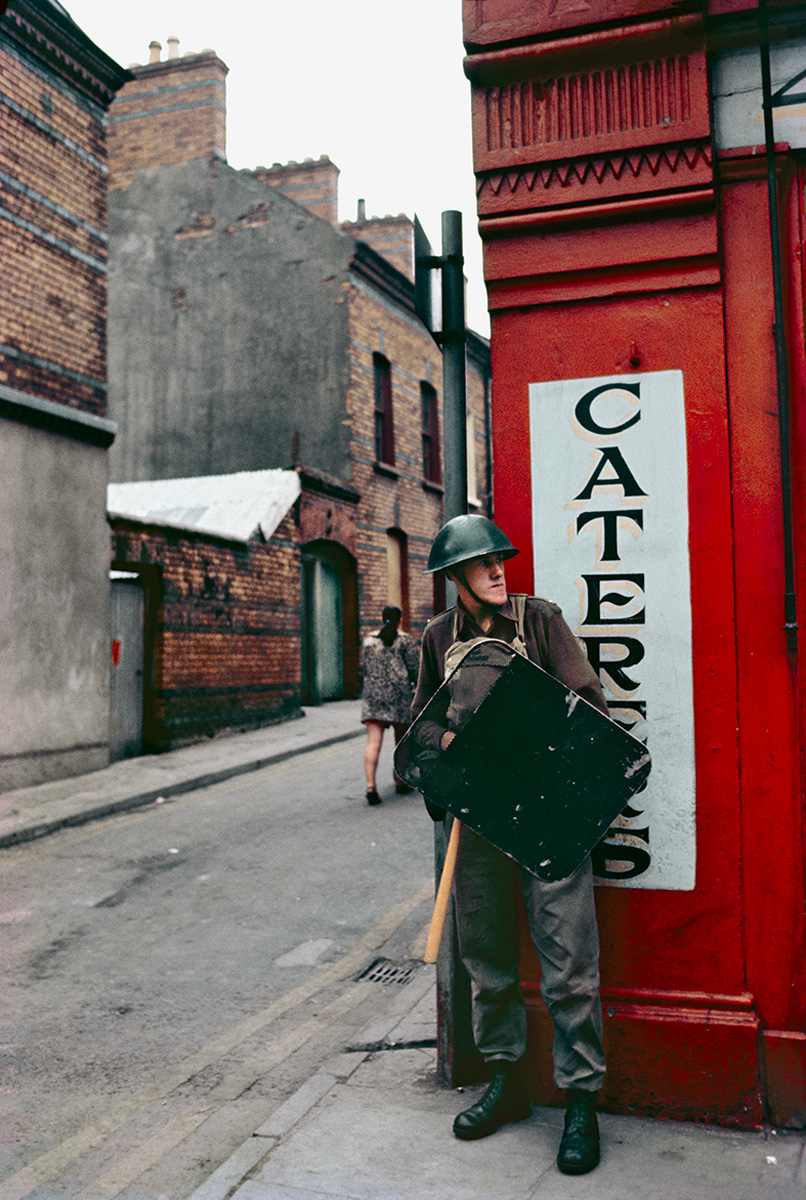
(171, 976)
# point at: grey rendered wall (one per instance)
(54, 606)
(736, 90)
(227, 327)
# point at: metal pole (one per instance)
(457, 1056)
(454, 340)
(781, 358)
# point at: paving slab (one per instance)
(371, 1142)
(384, 1132)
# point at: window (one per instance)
(431, 464)
(397, 572)
(472, 476)
(384, 424)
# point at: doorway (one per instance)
(329, 641)
(126, 688)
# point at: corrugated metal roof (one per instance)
(233, 506)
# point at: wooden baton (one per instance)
(443, 896)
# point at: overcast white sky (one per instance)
(377, 85)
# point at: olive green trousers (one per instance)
(562, 922)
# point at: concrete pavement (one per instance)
(373, 1123)
(33, 812)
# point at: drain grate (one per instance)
(383, 970)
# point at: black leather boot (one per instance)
(504, 1100)
(579, 1148)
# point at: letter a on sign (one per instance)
(610, 528)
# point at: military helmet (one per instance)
(465, 537)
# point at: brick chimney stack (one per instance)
(313, 184)
(391, 237)
(174, 110)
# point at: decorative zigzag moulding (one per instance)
(615, 165)
(653, 169)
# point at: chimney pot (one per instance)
(362, 211)
(154, 51)
(173, 47)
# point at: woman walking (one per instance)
(391, 663)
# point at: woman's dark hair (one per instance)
(391, 618)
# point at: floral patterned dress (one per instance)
(389, 675)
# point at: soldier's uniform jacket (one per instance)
(549, 643)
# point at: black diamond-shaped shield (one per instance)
(534, 769)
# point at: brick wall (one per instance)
(398, 498)
(327, 511)
(173, 111)
(393, 237)
(226, 633)
(313, 184)
(53, 213)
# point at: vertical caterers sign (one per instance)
(610, 527)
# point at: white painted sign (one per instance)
(610, 528)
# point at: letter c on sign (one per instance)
(583, 413)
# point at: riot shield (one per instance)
(534, 769)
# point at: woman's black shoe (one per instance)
(373, 797)
(505, 1100)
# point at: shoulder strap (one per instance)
(519, 604)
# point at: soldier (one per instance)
(562, 921)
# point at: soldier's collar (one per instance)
(506, 610)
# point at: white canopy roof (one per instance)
(230, 506)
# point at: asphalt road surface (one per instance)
(170, 976)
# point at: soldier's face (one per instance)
(485, 579)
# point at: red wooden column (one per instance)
(769, 686)
(623, 251)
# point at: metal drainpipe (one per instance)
(488, 426)
(781, 357)
(454, 337)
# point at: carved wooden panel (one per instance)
(653, 101)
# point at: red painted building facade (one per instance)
(623, 206)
